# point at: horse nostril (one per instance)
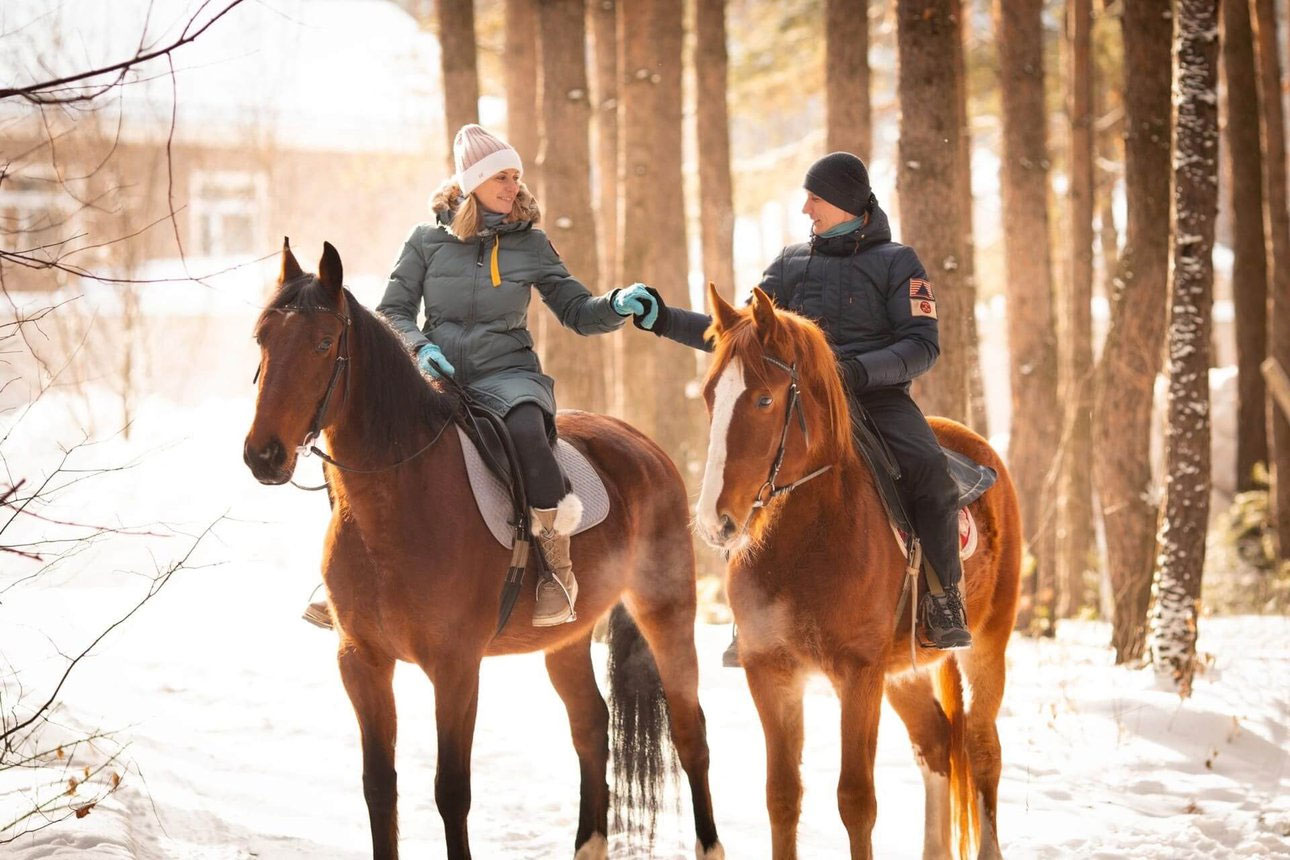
(273, 453)
(727, 526)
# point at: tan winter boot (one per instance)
(555, 596)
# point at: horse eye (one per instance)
(325, 345)
(765, 402)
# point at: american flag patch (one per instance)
(920, 289)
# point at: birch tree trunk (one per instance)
(1036, 415)
(1132, 352)
(1185, 514)
(1250, 265)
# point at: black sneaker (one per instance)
(943, 621)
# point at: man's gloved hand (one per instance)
(640, 302)
(853, 374)
(431, 360)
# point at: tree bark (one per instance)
(929, 148)
(457, 61)
(1250, 265)
(565, 164)
(716, 195)
(1076, 496)
(846, 70)
(522, 78)
(638, 83)
(1133, 349)
(1031, 328)
(1278, 240)
(603, 16)
(1185, 514)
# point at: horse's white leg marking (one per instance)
(729, 387)
(595, 848)
(716, 852)
(936, 821)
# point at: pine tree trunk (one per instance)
(1133, 349)
(1278, 226)
(566, 202)
(603, 19)
(638, 83)
(1250, 265)
(1031, 327)
(929, 149)
(846, 70)
(522, 79)
(457, 61)
(1185, 514)
(716, 196)
(1076, 496)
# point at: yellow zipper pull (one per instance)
(497, 274)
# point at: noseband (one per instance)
(768, 491)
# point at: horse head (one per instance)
(304, 346)
(778, 417)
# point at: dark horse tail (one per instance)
(640, 738)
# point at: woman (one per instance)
(473, 271)
(872, 297)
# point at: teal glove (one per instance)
(431, 360)
(637, 301)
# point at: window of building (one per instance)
(226, 207)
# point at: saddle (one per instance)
(971, 477)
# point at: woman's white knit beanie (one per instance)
(478, 155)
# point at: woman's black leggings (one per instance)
(543, 480)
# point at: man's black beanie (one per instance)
(841, 179)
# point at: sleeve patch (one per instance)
(921, 289)
(922, 308)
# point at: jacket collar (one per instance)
(874, 232)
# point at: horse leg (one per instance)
(456, 700)
(368, 680)
(669, 630)
(912, 698)
(776, 688)
(860, 691)
(984, 667)
(574, 679)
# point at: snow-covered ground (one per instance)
(241, 743)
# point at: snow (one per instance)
(241, 743)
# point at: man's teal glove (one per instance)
(431, 360)
(637, 301)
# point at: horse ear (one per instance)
(290, 268)
(764, 315)
(331, 274)
(723, 315)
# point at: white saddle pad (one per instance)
(494, 500)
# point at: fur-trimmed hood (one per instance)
(448, 197)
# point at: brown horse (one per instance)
(413, 574)
(815, 577)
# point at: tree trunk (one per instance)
(846, 71)
(716, 196)
(1031, 330)
(565, 164)
(457, 60)
(1076, 496)
(929, 148)
(603, 18)
(1185, 514)
(1250, 265)
(1132, 351)
(978, 417)
(639, 178)
(1278, 226)
(522, 79)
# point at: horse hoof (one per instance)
(716, 852)
(595, 848)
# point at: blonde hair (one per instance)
(467, 215)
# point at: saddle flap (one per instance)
(493, 499)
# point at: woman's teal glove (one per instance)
(637, 301)
(431, 360)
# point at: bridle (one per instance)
(769, 491)
(342, 364)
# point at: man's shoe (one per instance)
(318, 614)
(943, 620)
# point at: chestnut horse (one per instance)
(815, 577)
(413, 573)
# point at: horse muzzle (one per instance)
(721, 532)
(270, 463)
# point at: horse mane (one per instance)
(393, 402)
(803, 342)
